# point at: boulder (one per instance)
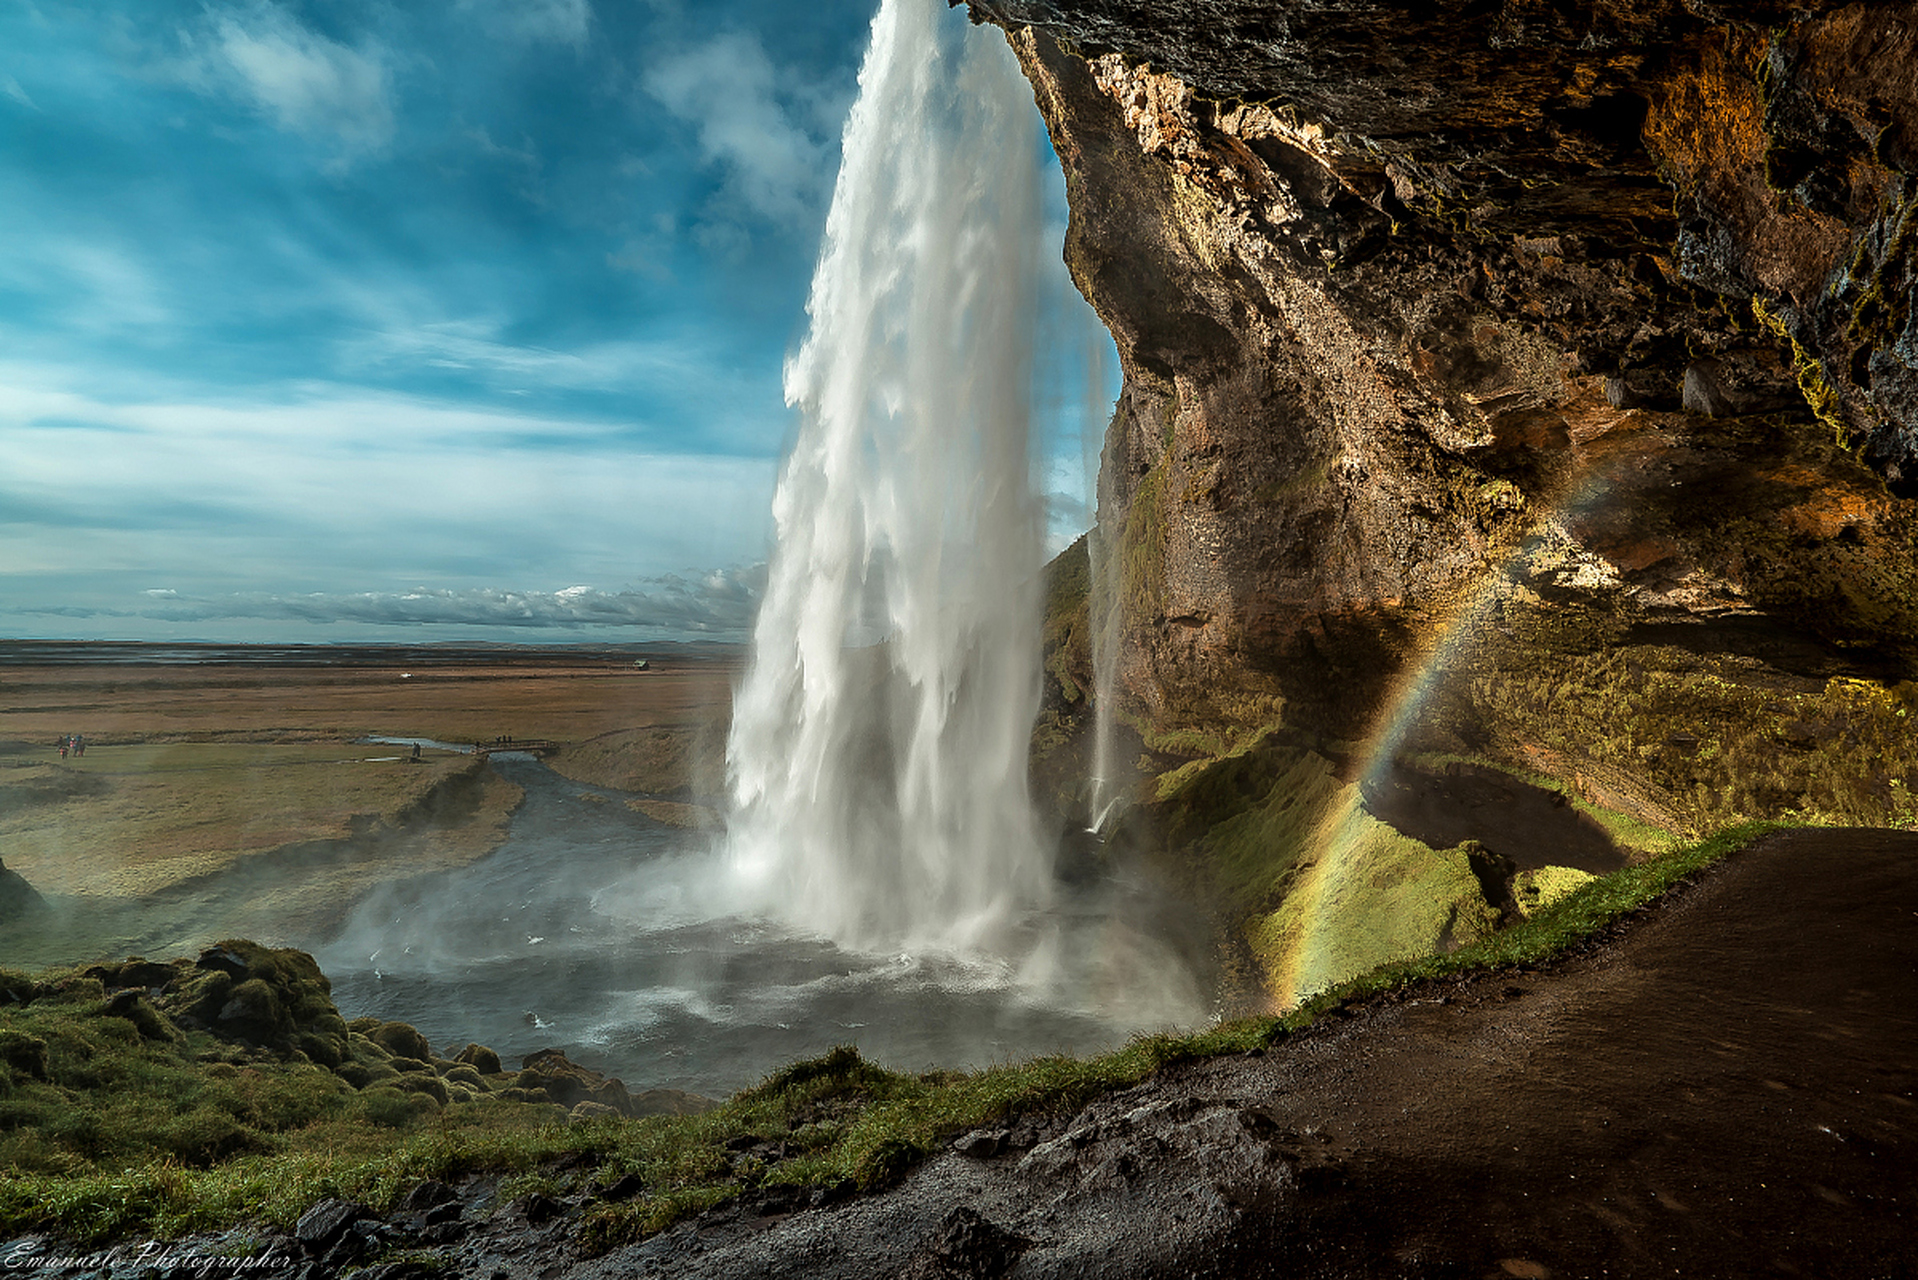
(569, 1084)
(480, 1058)
(17, 897)
(402, 1041)
(326, 1223)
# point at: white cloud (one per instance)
(474, 345)
(95, 286)
(553, 21)
(339, 490)
(11, 87)
(728, 89)
(307, 83)
(719, 604)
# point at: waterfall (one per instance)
(877, 760)
(1109, 791)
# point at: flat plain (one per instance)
(248, 797)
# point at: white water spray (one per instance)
(879, 743)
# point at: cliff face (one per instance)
(1533, 380)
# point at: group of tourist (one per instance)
(73, 744)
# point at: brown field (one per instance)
(567, 702)
(219, 800)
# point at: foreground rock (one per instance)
(1725, 1088)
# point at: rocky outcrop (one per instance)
(17, 897)
(1536, 383)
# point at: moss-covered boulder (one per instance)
(1540, 887)
(402, 1041)
(567, 1083)
(274, 998)
(480, 1058)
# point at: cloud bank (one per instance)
(717, 605)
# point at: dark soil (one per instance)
(1728, 1086)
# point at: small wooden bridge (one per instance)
(535, 746)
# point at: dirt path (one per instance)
(1728, 1087)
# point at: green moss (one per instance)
(1142, 554)
(1066, 634)
(1882, 313)
(1265, 803)
(1370, 896)
(1820, 397)
(1536, 889)
(1690, 743)
(1304, 480)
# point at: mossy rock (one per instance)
(480, 1058)
(271, 997)
(17, 988)
(328, 1051)
(461, 1073)
(253, 1012)
(421, 1082)
(402, 1041)
(1538, 889)
(365, 1075)
(147, 1020)
(1368, 896)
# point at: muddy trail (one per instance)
(1727, 1085)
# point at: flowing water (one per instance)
(598, 931)
(880, 737)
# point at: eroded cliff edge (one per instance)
(1522, 384)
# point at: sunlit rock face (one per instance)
(1581, 326)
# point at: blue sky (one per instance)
(453, 320)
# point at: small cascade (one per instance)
(878, 752)
(1108, 793)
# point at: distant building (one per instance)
(640, 664)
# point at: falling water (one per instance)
(880, 737)
(1108, 790)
